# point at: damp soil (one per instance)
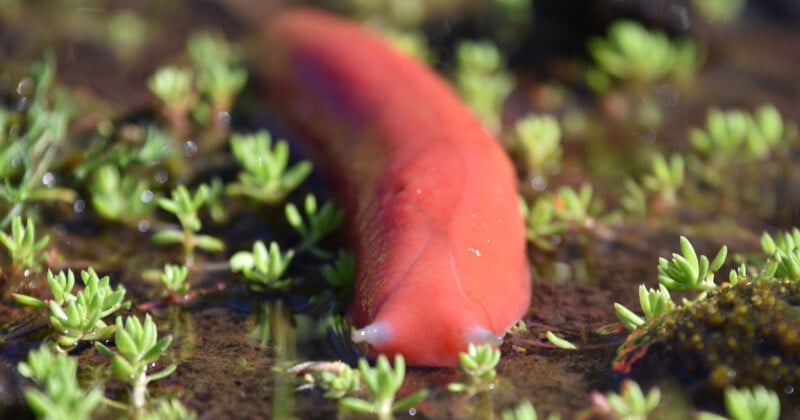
(226, 371)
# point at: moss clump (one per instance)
(739, 335)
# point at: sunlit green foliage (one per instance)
(266, 176)
(757, 403)
(57, 394)
(654, 303)
(137, 349)
(174, 278)
(541, 224)
(632, 53)
(22, 246)
(120, 197)
(631, 403)
(79, 317)
(560, 342)
(382, 383)
(264, 268)
(185, 207)
(536, 140)
(478, 363)
(319, 222)
(688, 272)
(482, 80)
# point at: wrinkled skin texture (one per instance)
(430, 196)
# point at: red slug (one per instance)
(430, 195)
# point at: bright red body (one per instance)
(430, 196)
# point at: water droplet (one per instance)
(555, 239)
(146, 196)
(189, 148)
(48, 179)
(412, 411)
(788, 390)
(477, 252)
(25, 86)
(143, 226)
(223, 117)
(162, 176)
(79, 206)
(538, 183)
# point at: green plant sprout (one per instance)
(321, 222)
(634, 198)
(559, 341)
(137, 348)
(687, 271)
(220, 76)
(136, 146)
(79, 317)
(174, 279)
(666, 179)
(266, 176)
(120, 197)
(170, 410)
(577, 207)
(483, 81)
(127, 33)
(185, 207)
(217, 207)
(632, 53)
(736, 135)
(263, 267)
(536, 140)
(382, 383)
(784, 253)
(23, 248)
(654, 303)
(631, 403)
(336, 379)
(173, 87)
(524, 411)
(479, 364)
(541, 224)
(723, 11)
(342, 273)
(26, 158)
(59, 396)
(757, 403)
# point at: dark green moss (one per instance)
(739, 335)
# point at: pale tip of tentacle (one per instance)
(375, 334)
(480, 335)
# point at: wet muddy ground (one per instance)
(223, 369)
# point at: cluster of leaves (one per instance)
(553, 214)
(380, 384)
(137, 348)
(23, 248)
(735, 137)
(686, 271)
(536, 141)
(79, 316)
(478, 364)
(483, 81)
(185, 206)
(30, 137)
(633, 54)
(204, 91)
(57, 394)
